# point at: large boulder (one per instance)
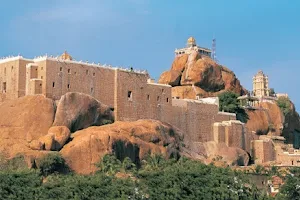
(201, 75)
(204, 73)
(23, 120)
(125, 139)
(26, 118)
(171, 78)
(78, 111)
(55, 139)
(61, 135)
(267, 120)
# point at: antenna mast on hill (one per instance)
(214, 54)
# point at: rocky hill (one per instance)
(270, 120)
(192, 75)
(76, 126)
(34, 126)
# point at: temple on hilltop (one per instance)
(261, 92)
(192, 46)
(260, 84)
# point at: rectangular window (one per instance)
(129, 96)
(167, 100)
(4, 87)
(92, 90)
(69, 71)
(148, 97)
(41, 77)
(68, 86)
(53, 84)
(158, 98)
(94, 74)
(60, 69)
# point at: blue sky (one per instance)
(251, 35)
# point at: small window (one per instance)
(12, 68)
(53, 84)
(41, 77)
(60, 69)
(68, 86)
(87, 72)
(129, 96)
(158, 98)
(92, 90)
(40, 84)
(167, 100)
(148, 97)
(94, 74)
(4, 87)
(162, 90)
(75, 73)
(69, 71)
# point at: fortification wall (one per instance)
(12, 78)
(136, 99)
(196, 119)
(60, 77)
(128, 92)
(286, 159)
(224, 116)
(233, 133)
(263, 151)
(258, 151)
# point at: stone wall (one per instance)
(60, 77)
(233, 133)
(12, 78)
(263, 151)
(286, 159)
(135, 98)
(129, 92)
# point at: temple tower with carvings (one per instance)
(261, 85)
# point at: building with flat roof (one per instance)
(192, 46)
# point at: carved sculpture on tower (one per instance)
(261, 85)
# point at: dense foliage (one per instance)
(291, 188)
(228, 102)
(284, 104)
(156, 178)
(52, 163)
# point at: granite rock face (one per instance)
(135, 140)
(200, 75)
(77, 111)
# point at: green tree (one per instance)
(228, 102)
(291, 187)
(109, 164)
(128, 165)
(284, 104)
(272, 92)
(52, 163)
